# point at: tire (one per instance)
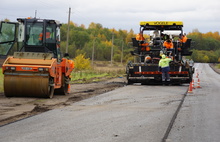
(63, 90)
(50, 88)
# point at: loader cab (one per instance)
(40, 35)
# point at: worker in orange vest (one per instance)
(168, 44)
(41, 36)
(140, 37)
(144, 45)
(182, 38)
(182, 41)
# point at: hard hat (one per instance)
(163, 56)
(147, 59)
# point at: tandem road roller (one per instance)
(36, 67)
(148, 53)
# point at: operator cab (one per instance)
(40, 35)
(30, 35)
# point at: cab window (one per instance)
(34, 34)
(7, 37)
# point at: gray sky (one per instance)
(119, 14)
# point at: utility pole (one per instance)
(35, 14)
(67, 37)
(112, 46)
(122, 50)
(93, 51)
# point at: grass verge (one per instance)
(218, 66)
(89, 76)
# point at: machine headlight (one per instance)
(42, 69)
(11, 68)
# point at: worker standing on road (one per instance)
(165, 68)
(191, 64)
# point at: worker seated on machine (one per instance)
(140, 37)
(168, 46)
(144, 45)
(48, 36)
(182, 39)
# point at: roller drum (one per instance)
(28, 86)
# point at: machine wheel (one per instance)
(28, 86)
(51, 88)
(64, 88)
(129, 82)
(128, 73)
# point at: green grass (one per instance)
(94, 75)
(102, 70)
(218, 66)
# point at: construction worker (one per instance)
(168, 44)
(66, 55)
(182, 41)
(144, 45)
(182, 38)
(165, 68)
(191, 63)
(41, 36)
(140, 37)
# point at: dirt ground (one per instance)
(13, 109)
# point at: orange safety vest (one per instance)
(145, 47)
(47, 35)
(41, 36)
(71, 63)
(139, 37)
(183, 40)
(168, 45)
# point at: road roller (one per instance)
(35, 66)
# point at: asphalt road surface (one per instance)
(132, 113)
(199, 117)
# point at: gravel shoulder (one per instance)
(215, 69)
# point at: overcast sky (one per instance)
(203, 15)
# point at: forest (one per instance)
(82, 40)
(205, 46)
(103, 44)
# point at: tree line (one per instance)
(205, 46)
(102, 40)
